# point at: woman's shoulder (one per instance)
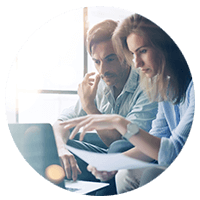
(190, 86)
(189, 96)
(190, 93)
(189, 101)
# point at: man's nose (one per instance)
(138, 62)
(102, 68)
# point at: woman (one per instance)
(166, 78)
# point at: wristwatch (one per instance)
(132, 129)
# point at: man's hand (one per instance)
(70, 166)
(101, 175)
(68, 161)
(87, 92)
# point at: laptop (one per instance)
(37, 144)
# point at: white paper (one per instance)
(110, 162)
(83, 187)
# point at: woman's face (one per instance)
(145, 55)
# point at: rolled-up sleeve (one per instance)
(160, 126)
(171, 147)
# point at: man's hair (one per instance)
(101, 32)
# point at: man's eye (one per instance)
(97, 62)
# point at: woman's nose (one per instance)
(138, 62)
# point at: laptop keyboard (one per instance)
(72, 189)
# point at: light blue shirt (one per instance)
(132, 103)
(172, 125)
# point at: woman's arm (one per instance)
(105, 176)
(145, 142)
(180, 133)
(137, 154)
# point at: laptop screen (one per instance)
(36, 143)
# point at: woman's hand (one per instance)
(96, 122)
(101, 175)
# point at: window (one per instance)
(45, 75)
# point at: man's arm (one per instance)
(87, 93)
(68, 161)
(61, 137)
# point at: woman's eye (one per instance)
(143, 51)
(110, 59)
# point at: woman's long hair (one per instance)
(173, 77)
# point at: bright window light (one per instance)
(52, 57)
(52, 60)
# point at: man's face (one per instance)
(108, 65)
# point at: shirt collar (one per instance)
(132, 82)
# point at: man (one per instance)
(115, 90)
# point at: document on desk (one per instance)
(110, 162)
